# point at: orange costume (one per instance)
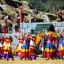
(38, 38)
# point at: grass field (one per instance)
(39, 60)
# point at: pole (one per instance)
(37, 6)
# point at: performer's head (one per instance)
(7, 40)
(51, 28)
(21, 40)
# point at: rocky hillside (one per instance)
(11, 7)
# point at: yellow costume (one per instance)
(38, 38)
(7, 46)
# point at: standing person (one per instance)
(49, 47)
(1, 49)
(32, 49)
(22, 47)
(59, 40)
(24, 50)
(59, 15)
(54, 42)
(20, 43)
(7, 48)
(27, 39)
(45, 37)
(42, 44)
(38, 39)
(25, 46)
(61, 46)
(19, 48)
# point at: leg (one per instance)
(19, 56)
(11, 56)
(7, 57)
(42, 54)
(33, 57)
(4, 56)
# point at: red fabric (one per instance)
(16, 30)
(24, 54)
(7, 51)
(47, 54)
(59, 13)
(5, 30)
(3, 39)
(60, 53)
(19, 51)
(63, 52)
(2, 50)
(21, 15)
(31, 51)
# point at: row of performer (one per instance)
(50, 44)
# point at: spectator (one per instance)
(59, 15)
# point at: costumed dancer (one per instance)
(26, 45)
(55, 44)
(1, 49)
(41, 47)
(61, 46)
(38, 39)
(49, 47)
(24, 49)
(19, 48)
(19, 37)
(16, 50)
(32, 46)
(7, 48)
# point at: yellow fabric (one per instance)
(50, 32)
(7, 46)
(61, 48)
(54, 35)
(15, 50)
(42, 34)
(19, 47)
(23, 50)
(38, 38)
(49, 50)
